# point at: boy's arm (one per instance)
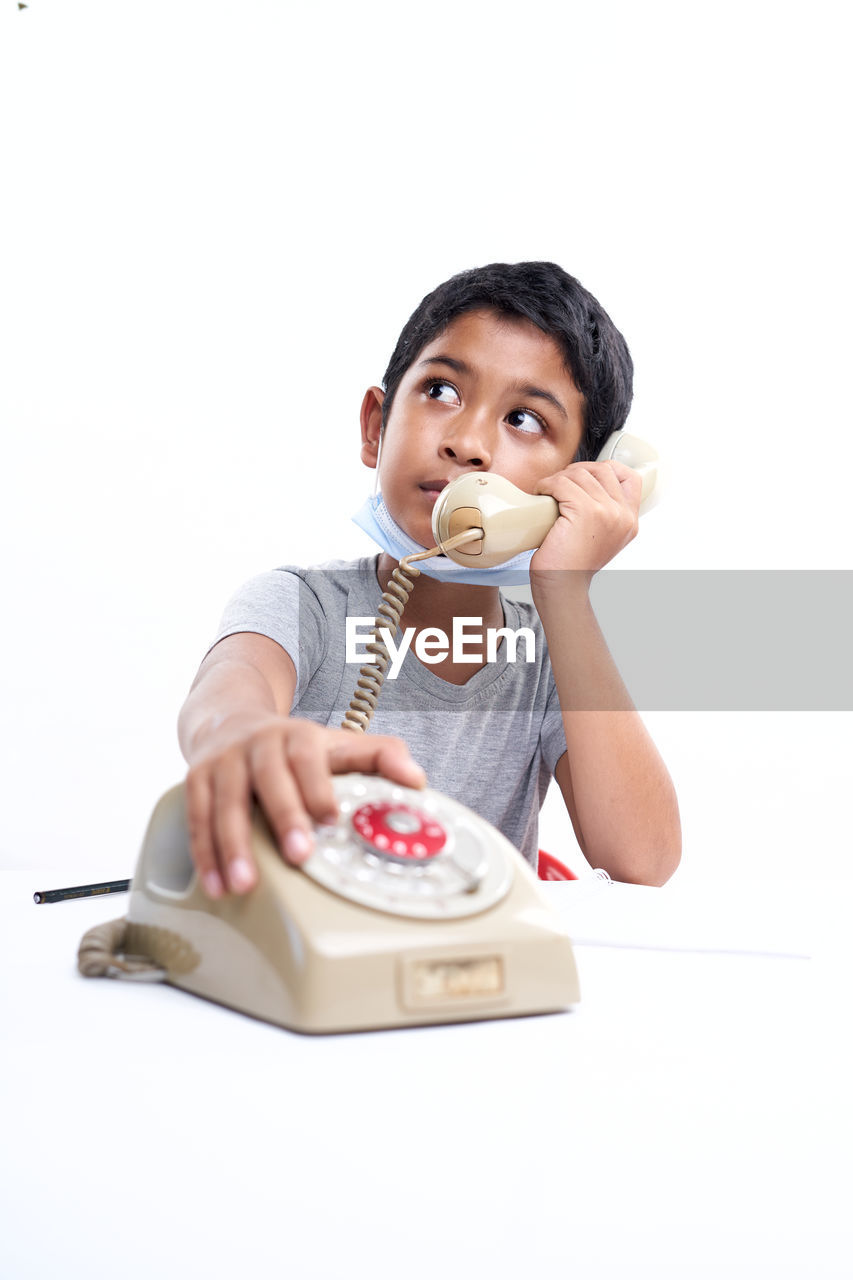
(240, 742)
(616, 787)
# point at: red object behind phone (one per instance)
(551, 868)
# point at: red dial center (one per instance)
(399, 831)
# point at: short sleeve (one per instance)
(280, 605)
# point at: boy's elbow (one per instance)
(653, 867)
(662, 870)
(662, 855)
(651, 858)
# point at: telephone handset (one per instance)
(411, 909)
(511, 520)
(479, 520)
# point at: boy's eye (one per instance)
(444, 391)
(524, 420)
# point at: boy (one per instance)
(513, 369)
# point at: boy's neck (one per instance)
(436, 604)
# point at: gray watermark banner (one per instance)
(730, 640)
(683, 640)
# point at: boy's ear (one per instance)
(371, 425)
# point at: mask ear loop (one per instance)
(378, 460)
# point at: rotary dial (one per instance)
(410, 853)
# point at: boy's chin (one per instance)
(417, 527)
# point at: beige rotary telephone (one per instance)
(411, 909)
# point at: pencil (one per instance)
(82, 891)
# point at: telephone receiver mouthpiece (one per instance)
(513, 521)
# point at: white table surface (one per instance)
(690, 1118)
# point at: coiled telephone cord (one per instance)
(394, 600)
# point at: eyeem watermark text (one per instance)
(432, 645)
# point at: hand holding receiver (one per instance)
(599, 508)
(287, 765)
(513, 521)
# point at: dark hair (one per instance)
(594, 350)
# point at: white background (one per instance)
(216, 217)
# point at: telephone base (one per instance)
(295, 953)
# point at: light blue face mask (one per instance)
(378, 523)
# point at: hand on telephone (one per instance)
(599, 504)
(287, 763)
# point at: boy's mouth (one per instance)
(433, 487)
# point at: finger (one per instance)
(617, 500)
(277, 789)
(232, 831)
(199, 826)
(308, 759)
(598, 480)
(630, 481)
(573, 489)
(608, 480)
(376, 753)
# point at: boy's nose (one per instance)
(467, 442)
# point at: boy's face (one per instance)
(491, 393)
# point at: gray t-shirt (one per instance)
(491, 743)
